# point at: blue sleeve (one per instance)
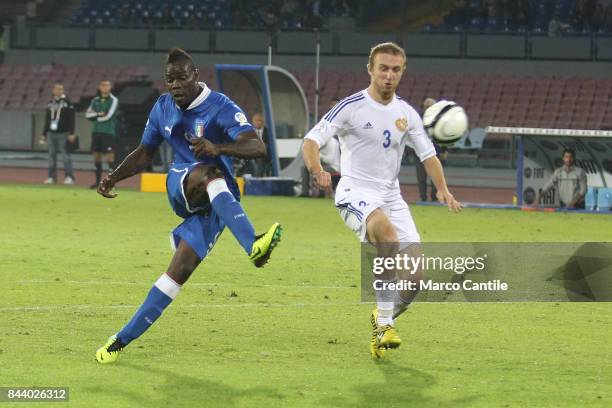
(152, 136)
(232, 120)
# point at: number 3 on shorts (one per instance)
(387, 141)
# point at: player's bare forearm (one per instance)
(312, 157)
(247, 146)
(133, 164)
(312, 161)
(433, 167)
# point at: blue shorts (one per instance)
(202, 226)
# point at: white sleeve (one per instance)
(333, 123)
(323, 132)
(111, 111)
(90, 113)
(417, 138)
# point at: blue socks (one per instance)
(161, 294)
(231, 213)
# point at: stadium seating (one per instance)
(207, 13)
(548, 101)
(29, 86)
(532, 16)
(501, 100)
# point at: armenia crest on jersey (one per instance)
(401, 124)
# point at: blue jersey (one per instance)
(211, 115)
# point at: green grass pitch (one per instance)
(75, 266)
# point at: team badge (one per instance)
(401, 124)
(198, 128)
(240, 118)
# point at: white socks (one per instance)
(168, 286)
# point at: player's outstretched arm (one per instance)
(247, 146)
(433, 167)
(133, 164)
(312, 160)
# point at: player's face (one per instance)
(568, 159)
(58, 90)
(386, 72)
(182, 83)
(104, 88)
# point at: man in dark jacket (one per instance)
(421, 174)
(59, 130)
(263, 165)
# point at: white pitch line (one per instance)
(51, 308)
(194, 284)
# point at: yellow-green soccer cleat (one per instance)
(109, 353)
(264, 245)
(383, 337)
(374, 350)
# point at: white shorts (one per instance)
(356, 200)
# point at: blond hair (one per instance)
(386, 48)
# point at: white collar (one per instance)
(374, 102)
(201, 97)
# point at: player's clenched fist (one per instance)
(204, 147)
(105, 187)
(322, 178)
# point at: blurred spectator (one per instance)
(599, 18)
(608, 20)
(555, 17)
(262, 165)
(555, 27)
(582, 14)
(243, 13)
(330, 159)
(570, 182)
(58, 132)
(459, 15)
(421, 174)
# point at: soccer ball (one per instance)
(446, 122)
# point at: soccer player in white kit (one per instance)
(373, 127)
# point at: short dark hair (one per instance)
(178, 55)
(570, 151)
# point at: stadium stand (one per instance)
(29, 87)
(290, 14)
(549, 101)
(548, 16)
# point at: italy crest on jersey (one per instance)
(401, 124)
(198, 128)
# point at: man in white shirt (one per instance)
(373, 127)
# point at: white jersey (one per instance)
(373, 136)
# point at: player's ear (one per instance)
(368, 67)
(196, 74)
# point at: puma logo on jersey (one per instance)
(368, 126)
(169, 129)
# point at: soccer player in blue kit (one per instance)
(205, 129)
